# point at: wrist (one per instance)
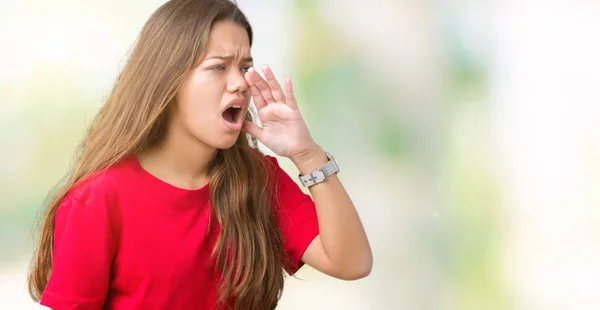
(310, 160)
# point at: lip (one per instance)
(243, 103)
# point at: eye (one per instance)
(218, 68)
(245, 69)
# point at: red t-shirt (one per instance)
(124, 239)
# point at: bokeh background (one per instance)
(468, 133)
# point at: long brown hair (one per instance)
(249, 251)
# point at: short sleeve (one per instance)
(84, 247)
(297, 217)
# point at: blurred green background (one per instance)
(468, 133)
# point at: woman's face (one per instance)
(214, 97)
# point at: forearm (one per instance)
(342, 234)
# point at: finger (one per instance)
(262, 86)
(276, 90)
(252, 129)
(289, 92)
(259, 101)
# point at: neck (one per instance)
(180, 160)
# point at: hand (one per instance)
(283, 128)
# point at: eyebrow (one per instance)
(229, 58)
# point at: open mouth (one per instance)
(233, 115)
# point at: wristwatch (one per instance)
(320, 174)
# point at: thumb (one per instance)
(252, 129)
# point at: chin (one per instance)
(226, 142)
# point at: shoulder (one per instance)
(272, 162)
(94, 203)
(267, 162)
(287, 188)
(278, 173)
(101, 187)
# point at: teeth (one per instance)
(236, 106)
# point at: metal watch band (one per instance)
(320, 174)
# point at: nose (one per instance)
(237, 83)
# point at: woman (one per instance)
(170, 206)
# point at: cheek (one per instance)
(198, 104)
(195, 111)
(199, 95)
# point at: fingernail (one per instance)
(265, 67)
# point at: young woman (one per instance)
(170, 205)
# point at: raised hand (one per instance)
(283, 129)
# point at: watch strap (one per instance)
(319, 175)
